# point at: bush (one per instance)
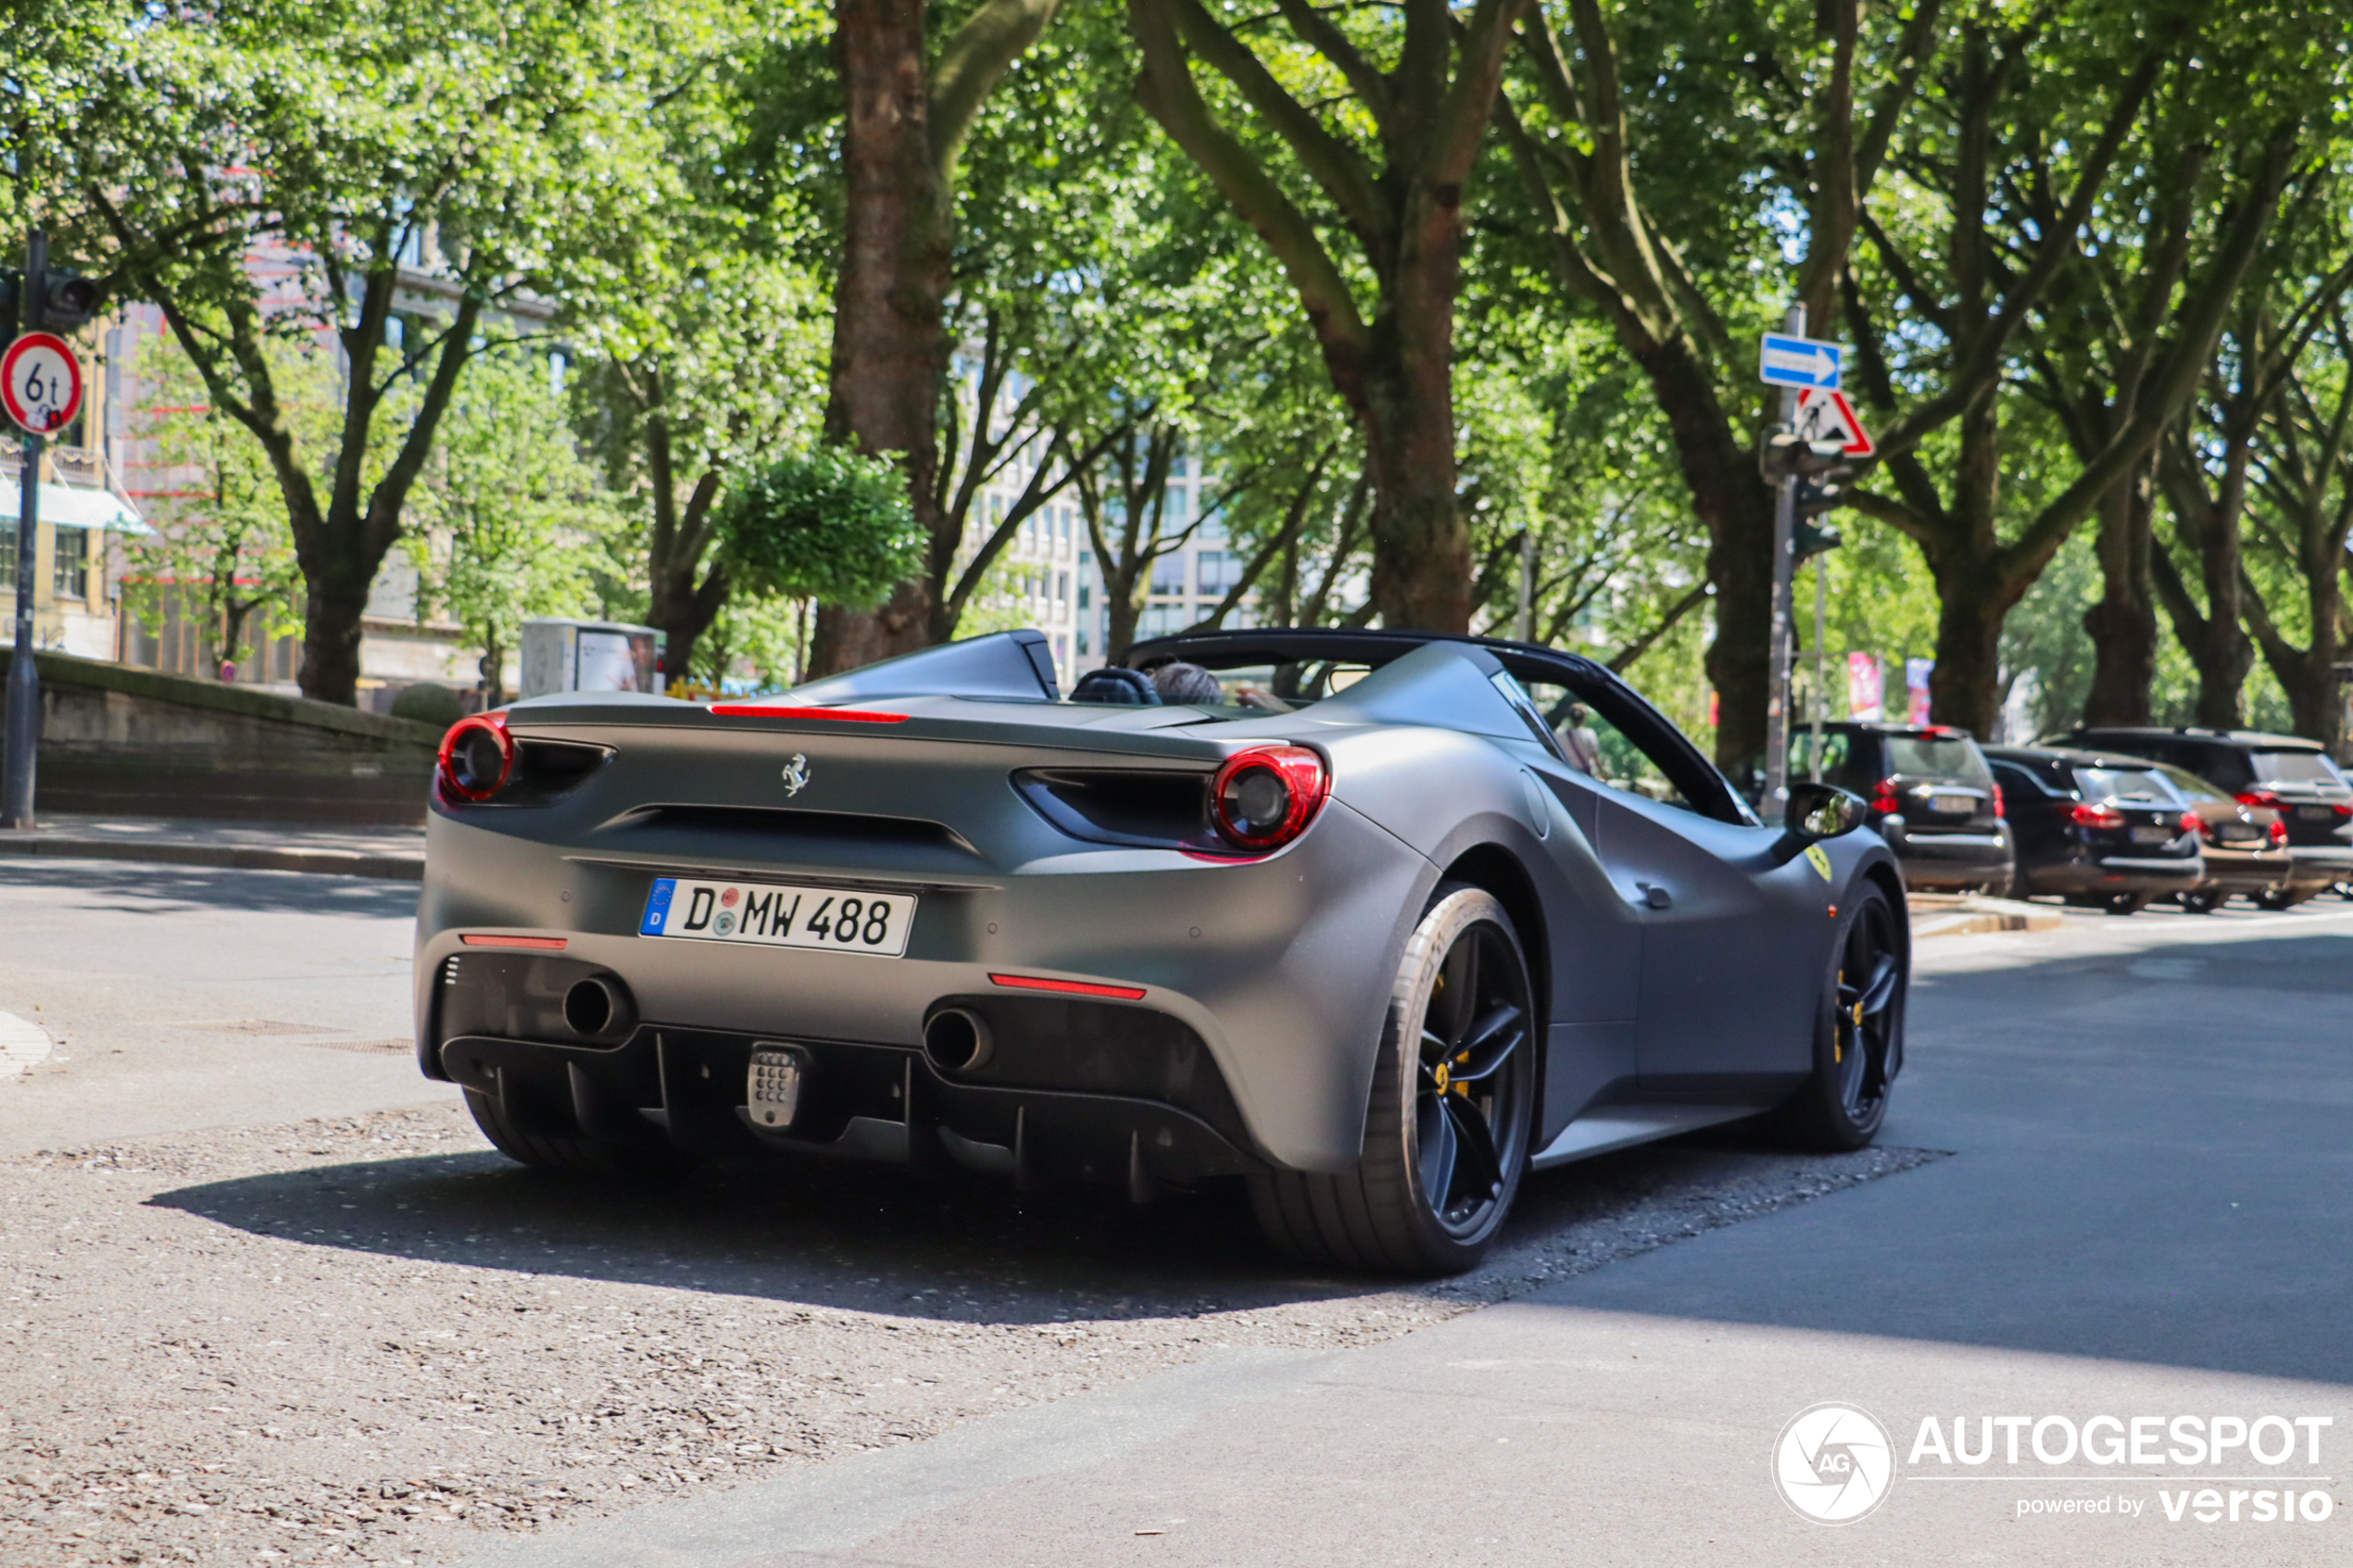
(827, 525)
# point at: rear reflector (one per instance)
(545, 944)
(853, 715)
(1068, 988)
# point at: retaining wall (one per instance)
(119, 739)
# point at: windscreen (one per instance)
(1947, 757)
(2189, 786)
(2123, 783)
(2296, 768)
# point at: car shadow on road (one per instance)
(133, 887)
(876, 1239)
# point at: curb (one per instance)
(231, 857)
(1946, 915)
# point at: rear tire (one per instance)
(1449, 1076)
(1858, 1035)
(2277, 899)
(575, 1156)
(2125, 903)
(2202, 901)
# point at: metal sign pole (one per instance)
(1784, 530)
(1821, 692)
(1524, 623)
(23, 728)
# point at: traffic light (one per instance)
(68, 300)
(1820, 470)
(1785, 455)
(1810, 538)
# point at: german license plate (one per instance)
(2153, 836)
(819, 919)
(2316, 813)
(1954, 805)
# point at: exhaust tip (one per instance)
(595, 1006)
(956, 1041)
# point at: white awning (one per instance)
(72, 505)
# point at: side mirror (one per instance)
(1819, 810)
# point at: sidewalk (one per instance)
(395, 854)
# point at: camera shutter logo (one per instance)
(1834, 1464)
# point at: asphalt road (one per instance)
(179, 998)
(269, 1294)
(2143, 1216)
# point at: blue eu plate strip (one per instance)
(657, 907)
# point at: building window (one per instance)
(72, 563)
(8, 556)
(1168, 574)
(1083, 641)
(1219, 572)
(1180, 504)
(1086, 599)
(1061, 587)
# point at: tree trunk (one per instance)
(1736, 507)
(2206, 521)
(1404, 400)
(1975, 583)
(682, 599)
(1965, 689)
(2123, 623)
(2316, 702)
(890, 345)
(2225, 654)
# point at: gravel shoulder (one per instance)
(369, 1338)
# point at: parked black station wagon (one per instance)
(2099, 829)
(1931, 795)
(2293, 776)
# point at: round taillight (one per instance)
(1265, 797)
(2276, 833)
(477, 757)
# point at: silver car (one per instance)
(1374, 922)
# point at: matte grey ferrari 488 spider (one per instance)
(1373, 922)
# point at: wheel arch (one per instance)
(1492, 867)
(1883, 875)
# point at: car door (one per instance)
(2034, 826)
(1733, 936)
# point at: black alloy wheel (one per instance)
(1859, 1046)
(1453, 1108)
(2202, 900)
(1465, 1103)
(2125, 903)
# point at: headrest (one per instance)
(1122, 688)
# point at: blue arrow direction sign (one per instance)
(1799, 362)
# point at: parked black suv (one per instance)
(2100, 829)
(1932, 798)
(2288, 773)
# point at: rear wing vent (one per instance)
(783, 827)
(1144, 809)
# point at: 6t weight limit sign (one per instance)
(41, 382)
